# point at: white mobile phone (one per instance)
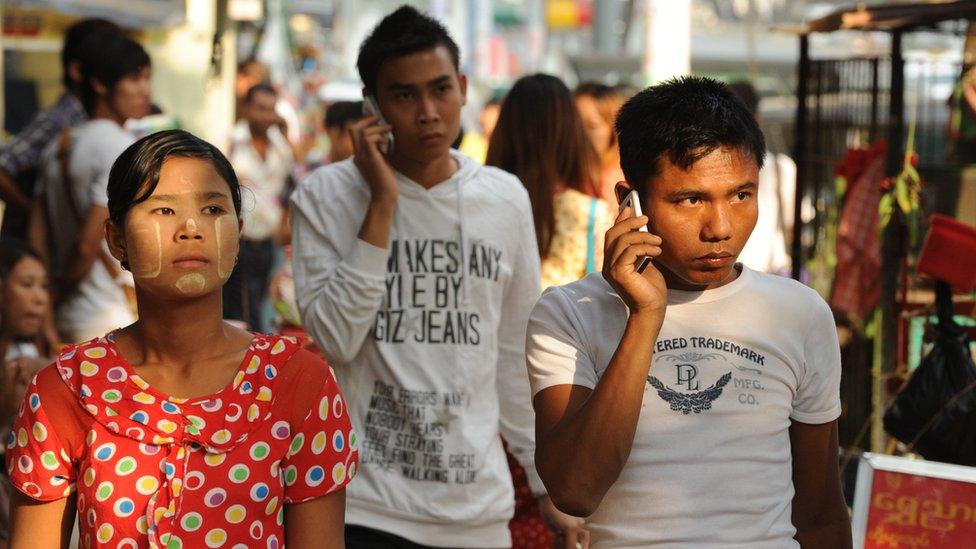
(370, 108)
(632, 201)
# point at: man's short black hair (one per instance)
(686, 119)
(403, 32)
(342, 113)
(109, 58)
(262, 87)
(746, 93)
(75, 39)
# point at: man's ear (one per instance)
(100, 89)
(116, 240)
(74, 72)
(463, 84)
(621, 189)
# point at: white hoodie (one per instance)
(427, 343)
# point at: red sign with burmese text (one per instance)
(913, 511)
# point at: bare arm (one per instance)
(604, 420)
(40, 524)
(87, 249)
(37, 230)
(319, 523)
(819, 512)
(11, 193)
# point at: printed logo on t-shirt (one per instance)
(690, 360)
(425, 281)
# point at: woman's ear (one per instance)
(116, 241)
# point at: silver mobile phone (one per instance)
(370, 108)
(632, 201)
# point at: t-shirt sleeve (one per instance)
(817, 398)
(324, 452)
(37, 461)
(556, 351)
(113, 144)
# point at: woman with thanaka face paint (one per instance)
(181, 430)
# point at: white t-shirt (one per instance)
(98, 304)
(766, 249)
(711, 464)
(263, 178)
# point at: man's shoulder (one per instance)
(334, 180)
(501, 189)
(590, 296)
(792, 295)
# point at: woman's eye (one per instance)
(164, 211)
(214, 210)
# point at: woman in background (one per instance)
(598, 105)
(540, 138)
(24, 347)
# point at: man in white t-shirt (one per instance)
(263, 160)
(93, 286)
(693, 404)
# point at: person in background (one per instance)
(20, 157)
(598, 105)
(338, 117)
(415, 270)
(475, 144)
(174, 430)
(94, 294)
(24, 347)
(540, 138)
(768, 248)
(263, 160)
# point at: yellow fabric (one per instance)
(566, 261)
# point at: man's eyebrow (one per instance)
(747, 186)
(405, 86)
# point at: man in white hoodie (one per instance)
(415, 270)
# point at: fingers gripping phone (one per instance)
(632, 201)
(370, 108)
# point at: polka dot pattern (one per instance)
(159, 471)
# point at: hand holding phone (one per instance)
(370, 108)
(627, 266)
(632, 201)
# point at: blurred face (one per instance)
(598, 129)
(260, 112)
(704, 215)
(421, 95)
(131, 95)
(489, 118)
(340, 143)
(25, 298)
(182, 241)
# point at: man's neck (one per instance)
(426, 174)
(675, 282)
(104, 112)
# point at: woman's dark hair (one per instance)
(135, 173)
(686, 119)
(12, 250)
(400, 33)
(540, 138)
(608, 101)
(108, 58)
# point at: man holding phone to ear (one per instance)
(693, 404)
(415, 272)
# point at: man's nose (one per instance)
(718, 225)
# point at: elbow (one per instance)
(575, 503)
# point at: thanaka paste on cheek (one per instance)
(146, 254)
(228, 242)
